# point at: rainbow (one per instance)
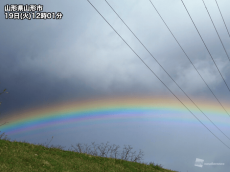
(107, 110)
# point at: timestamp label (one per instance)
(32, 11)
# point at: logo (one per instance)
(199, 162)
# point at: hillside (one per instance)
(26, 157)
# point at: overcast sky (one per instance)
(81, 57)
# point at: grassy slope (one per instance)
(19, 156)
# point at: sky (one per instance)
(77, 80)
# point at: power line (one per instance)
(189, 59)
(165, 70)
(222, 18)
(158, 77)
(206, 47)
(216, 31)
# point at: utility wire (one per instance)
(206, 46)
(216, 31)
(167, 72)
(189, 59)
(222, 18)
(158, 77)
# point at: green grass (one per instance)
(26, 157)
